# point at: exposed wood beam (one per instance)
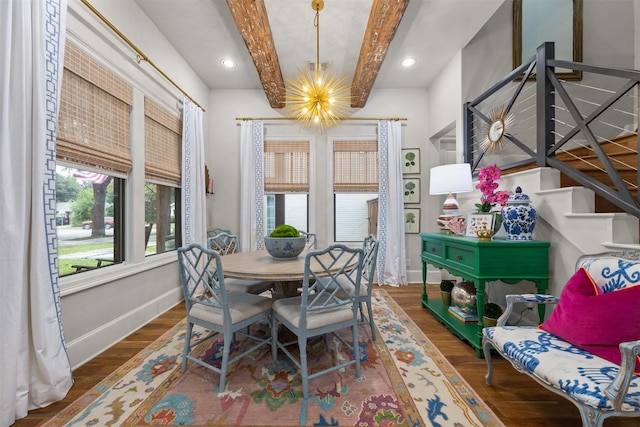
(253, 23)
(383, 22)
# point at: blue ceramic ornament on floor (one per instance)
(519, 217)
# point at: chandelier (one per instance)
(317, 97)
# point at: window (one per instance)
(162, 218)
(286, 184)
(93, 155)
(88, 220)
(163, 139)
(289, 209)
(355, 182)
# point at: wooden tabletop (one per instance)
(259, 265)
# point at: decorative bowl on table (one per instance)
(285, 248)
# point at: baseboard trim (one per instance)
(91, 344)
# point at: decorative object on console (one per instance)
(488, 184)
(449, 179)
(485, 234)
(446, 286)
(457, 224)
(464, 296)
(519, 217)
(490, 314)
(285, 243)
(476, 222)
(463, 316)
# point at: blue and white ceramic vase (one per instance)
(519, 217)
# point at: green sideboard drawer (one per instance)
(481, 261)
(434, 249)
(464, 258)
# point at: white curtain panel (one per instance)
(194, 203)
(392, 269)
(34, 365)
(251, 186)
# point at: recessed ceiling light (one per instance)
(408, 62)
(228, 63)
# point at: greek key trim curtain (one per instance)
(34, 366)
(392, 268)
(194, 203)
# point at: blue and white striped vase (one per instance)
(519, 217)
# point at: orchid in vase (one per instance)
(488, 184)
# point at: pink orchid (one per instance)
(487, 184)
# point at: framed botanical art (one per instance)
(412, 220)
(478, 222)
(411, 190)
(411, 160)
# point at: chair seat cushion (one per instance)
(242, 306)
(289, 309)
(561, 365)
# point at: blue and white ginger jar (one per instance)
(519, 217)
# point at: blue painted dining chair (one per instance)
(324, 306)
(370, 248)
(210, 305)
(226, 243)
(363, 297)
(312, 239)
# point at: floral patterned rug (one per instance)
(405, 381)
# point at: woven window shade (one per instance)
(286, 166)
(355, 166)
(162, 145)
(93, 123)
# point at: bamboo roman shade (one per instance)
(93, 123)
(286, 166)
(355, 166)
(162, 145)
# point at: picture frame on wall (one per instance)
(411, 190)
(412, 220)
(411, 160)
(478, 222)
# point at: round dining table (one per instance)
(287, 275)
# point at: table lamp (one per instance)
(450, 179)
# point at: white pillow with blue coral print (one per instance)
(612, 272)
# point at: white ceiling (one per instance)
(432, 31)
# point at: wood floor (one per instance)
(515, 398)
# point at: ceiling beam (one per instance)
(253, 24)
(383, 22)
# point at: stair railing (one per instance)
(570, 126)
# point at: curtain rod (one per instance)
(141, 56)
(337, 118)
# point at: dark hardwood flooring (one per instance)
(515, 398)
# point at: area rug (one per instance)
(405, 381)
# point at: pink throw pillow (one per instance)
(596, 322)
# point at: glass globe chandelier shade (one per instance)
(318, 96)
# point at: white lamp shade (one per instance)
(454, 178)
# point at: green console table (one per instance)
(482, 261)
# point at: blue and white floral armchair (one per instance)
(598, 387)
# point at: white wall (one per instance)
(101, 307)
